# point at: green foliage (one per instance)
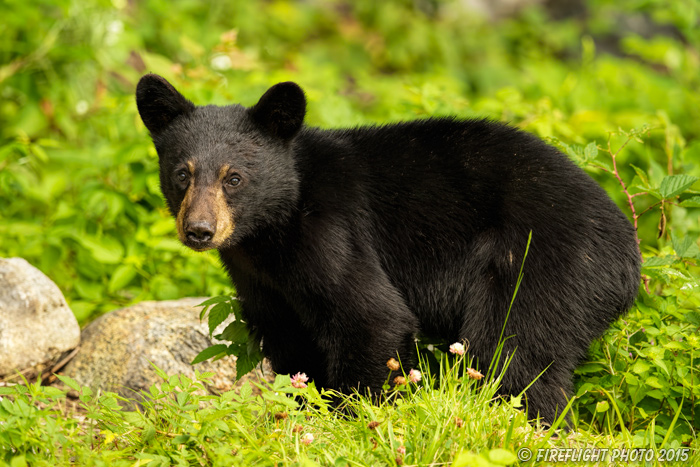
(179, 423)
(646, 367)
(79, 198)
(642, 377)
(242, 344)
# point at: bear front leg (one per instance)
(360, 323)
(289, 346)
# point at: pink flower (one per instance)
(307, 438)
(414, 376)
(401, 450)
(457, 348)
(299, 381)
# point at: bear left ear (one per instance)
(281, 110)
(159, 103)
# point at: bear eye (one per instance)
(181, 176)
(234, 180)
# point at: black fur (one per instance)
(348, 243)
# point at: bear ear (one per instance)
(281, 110)
(159, 103)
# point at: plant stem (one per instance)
(613, 155)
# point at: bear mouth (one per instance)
(198, 246)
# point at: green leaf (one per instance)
(468, 459)
(680, 246)
(248, 357)
(516, 401)
(642, 175)
(235, 332)
(603, 163)
(674, 185)
(121, 277)
(253, 347)
(181, 439)
(135, 418)
(675, 346)
(502, 456)
(656, 394)
(39, 152)
(163, 287)
(602, 406)
(207, 304)
(591, 367)
(576, 150)
(88, 289)
(236, 309)
(215, 300)
(217, 315)
(591, 151)
(246, 391)
(280, 399)
(209, 352)
(641, 366)
(182, 398)
(149, 433)
(661, 364)
(637, 337)
(693, 317)
(656, 261)
(654, 382)
(68, 381)
(585, 387)
(161, 374)
(244, 365)
(693, 202)
(104, 249)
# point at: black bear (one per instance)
(344, 245)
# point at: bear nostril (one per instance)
(200, 231)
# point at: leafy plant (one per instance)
(644, 373)
(243, 344)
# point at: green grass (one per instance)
(457, 422)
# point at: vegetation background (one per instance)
(613, 83)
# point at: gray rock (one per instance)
(36, 324)
(118, 346)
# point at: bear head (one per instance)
(225, 171)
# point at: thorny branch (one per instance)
(616, 173)
(630, 197)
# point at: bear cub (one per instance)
(346, 244)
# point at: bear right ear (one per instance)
(281, 110)
(159, 103)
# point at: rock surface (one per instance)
(36, 324)
(118, 346)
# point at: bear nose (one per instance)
(200, 232)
